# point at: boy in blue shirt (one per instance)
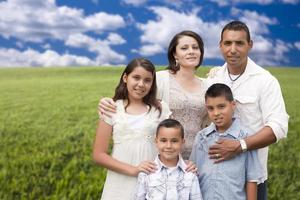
(170, 181)
(234, 179)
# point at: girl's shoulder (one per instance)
(120, 105)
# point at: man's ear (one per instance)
(251, 44)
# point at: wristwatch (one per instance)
(243, 145)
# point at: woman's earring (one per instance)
(177, 66)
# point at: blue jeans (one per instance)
(262, 191)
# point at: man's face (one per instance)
(235, 48)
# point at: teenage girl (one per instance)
(132, 129)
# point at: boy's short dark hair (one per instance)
(170, 123)
(219, 89)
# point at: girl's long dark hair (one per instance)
(121, 91)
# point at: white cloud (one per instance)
(270, 53)
(148, 50)
(114, 38)
(297, 45)
(158, 33)
(46, 46)
(291, 1)
(231, 2)
(44, 21)
(36, 21)
(105, 55)
(95, 1)
(261, 2)
(134, 2)
(257, 22)
(29, 57)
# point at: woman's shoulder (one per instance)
(162, 74)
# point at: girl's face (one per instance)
(138, 83)
(187, 52)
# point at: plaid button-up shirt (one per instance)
(168, 183)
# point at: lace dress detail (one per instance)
(189, 109)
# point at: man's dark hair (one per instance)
(236, 26)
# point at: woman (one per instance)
(179, 86)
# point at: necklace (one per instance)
(236, 78)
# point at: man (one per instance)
(260, 105)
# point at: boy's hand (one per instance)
(224, 149)
(191, 167)
(106, 107)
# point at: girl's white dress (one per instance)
(133, 142)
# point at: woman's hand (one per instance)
(191, 167)
(213, 72)
(106, 107)
(146, 167)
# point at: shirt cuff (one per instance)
(280, 132)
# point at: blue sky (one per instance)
(108, 32)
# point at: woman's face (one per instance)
(187, 52)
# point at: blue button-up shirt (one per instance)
(227, 179)
(168, 183)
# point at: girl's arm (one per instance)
(102, 157)
(251, 190)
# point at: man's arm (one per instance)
(275, 119)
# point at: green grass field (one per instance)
(48, 118)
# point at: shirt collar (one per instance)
(180, 164)
(233, 130)
(251, 69)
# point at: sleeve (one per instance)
(141, 187)
(273, 108)
(111, 120)
(254, 170)
(195, 193)
(162, 82)
(108, 120)
(165, 111)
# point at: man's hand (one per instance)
(224, 149)
(106, 107)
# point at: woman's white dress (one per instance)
(133, 142)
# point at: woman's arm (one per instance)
(106, 107)
(251, 190)
(102, 157)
